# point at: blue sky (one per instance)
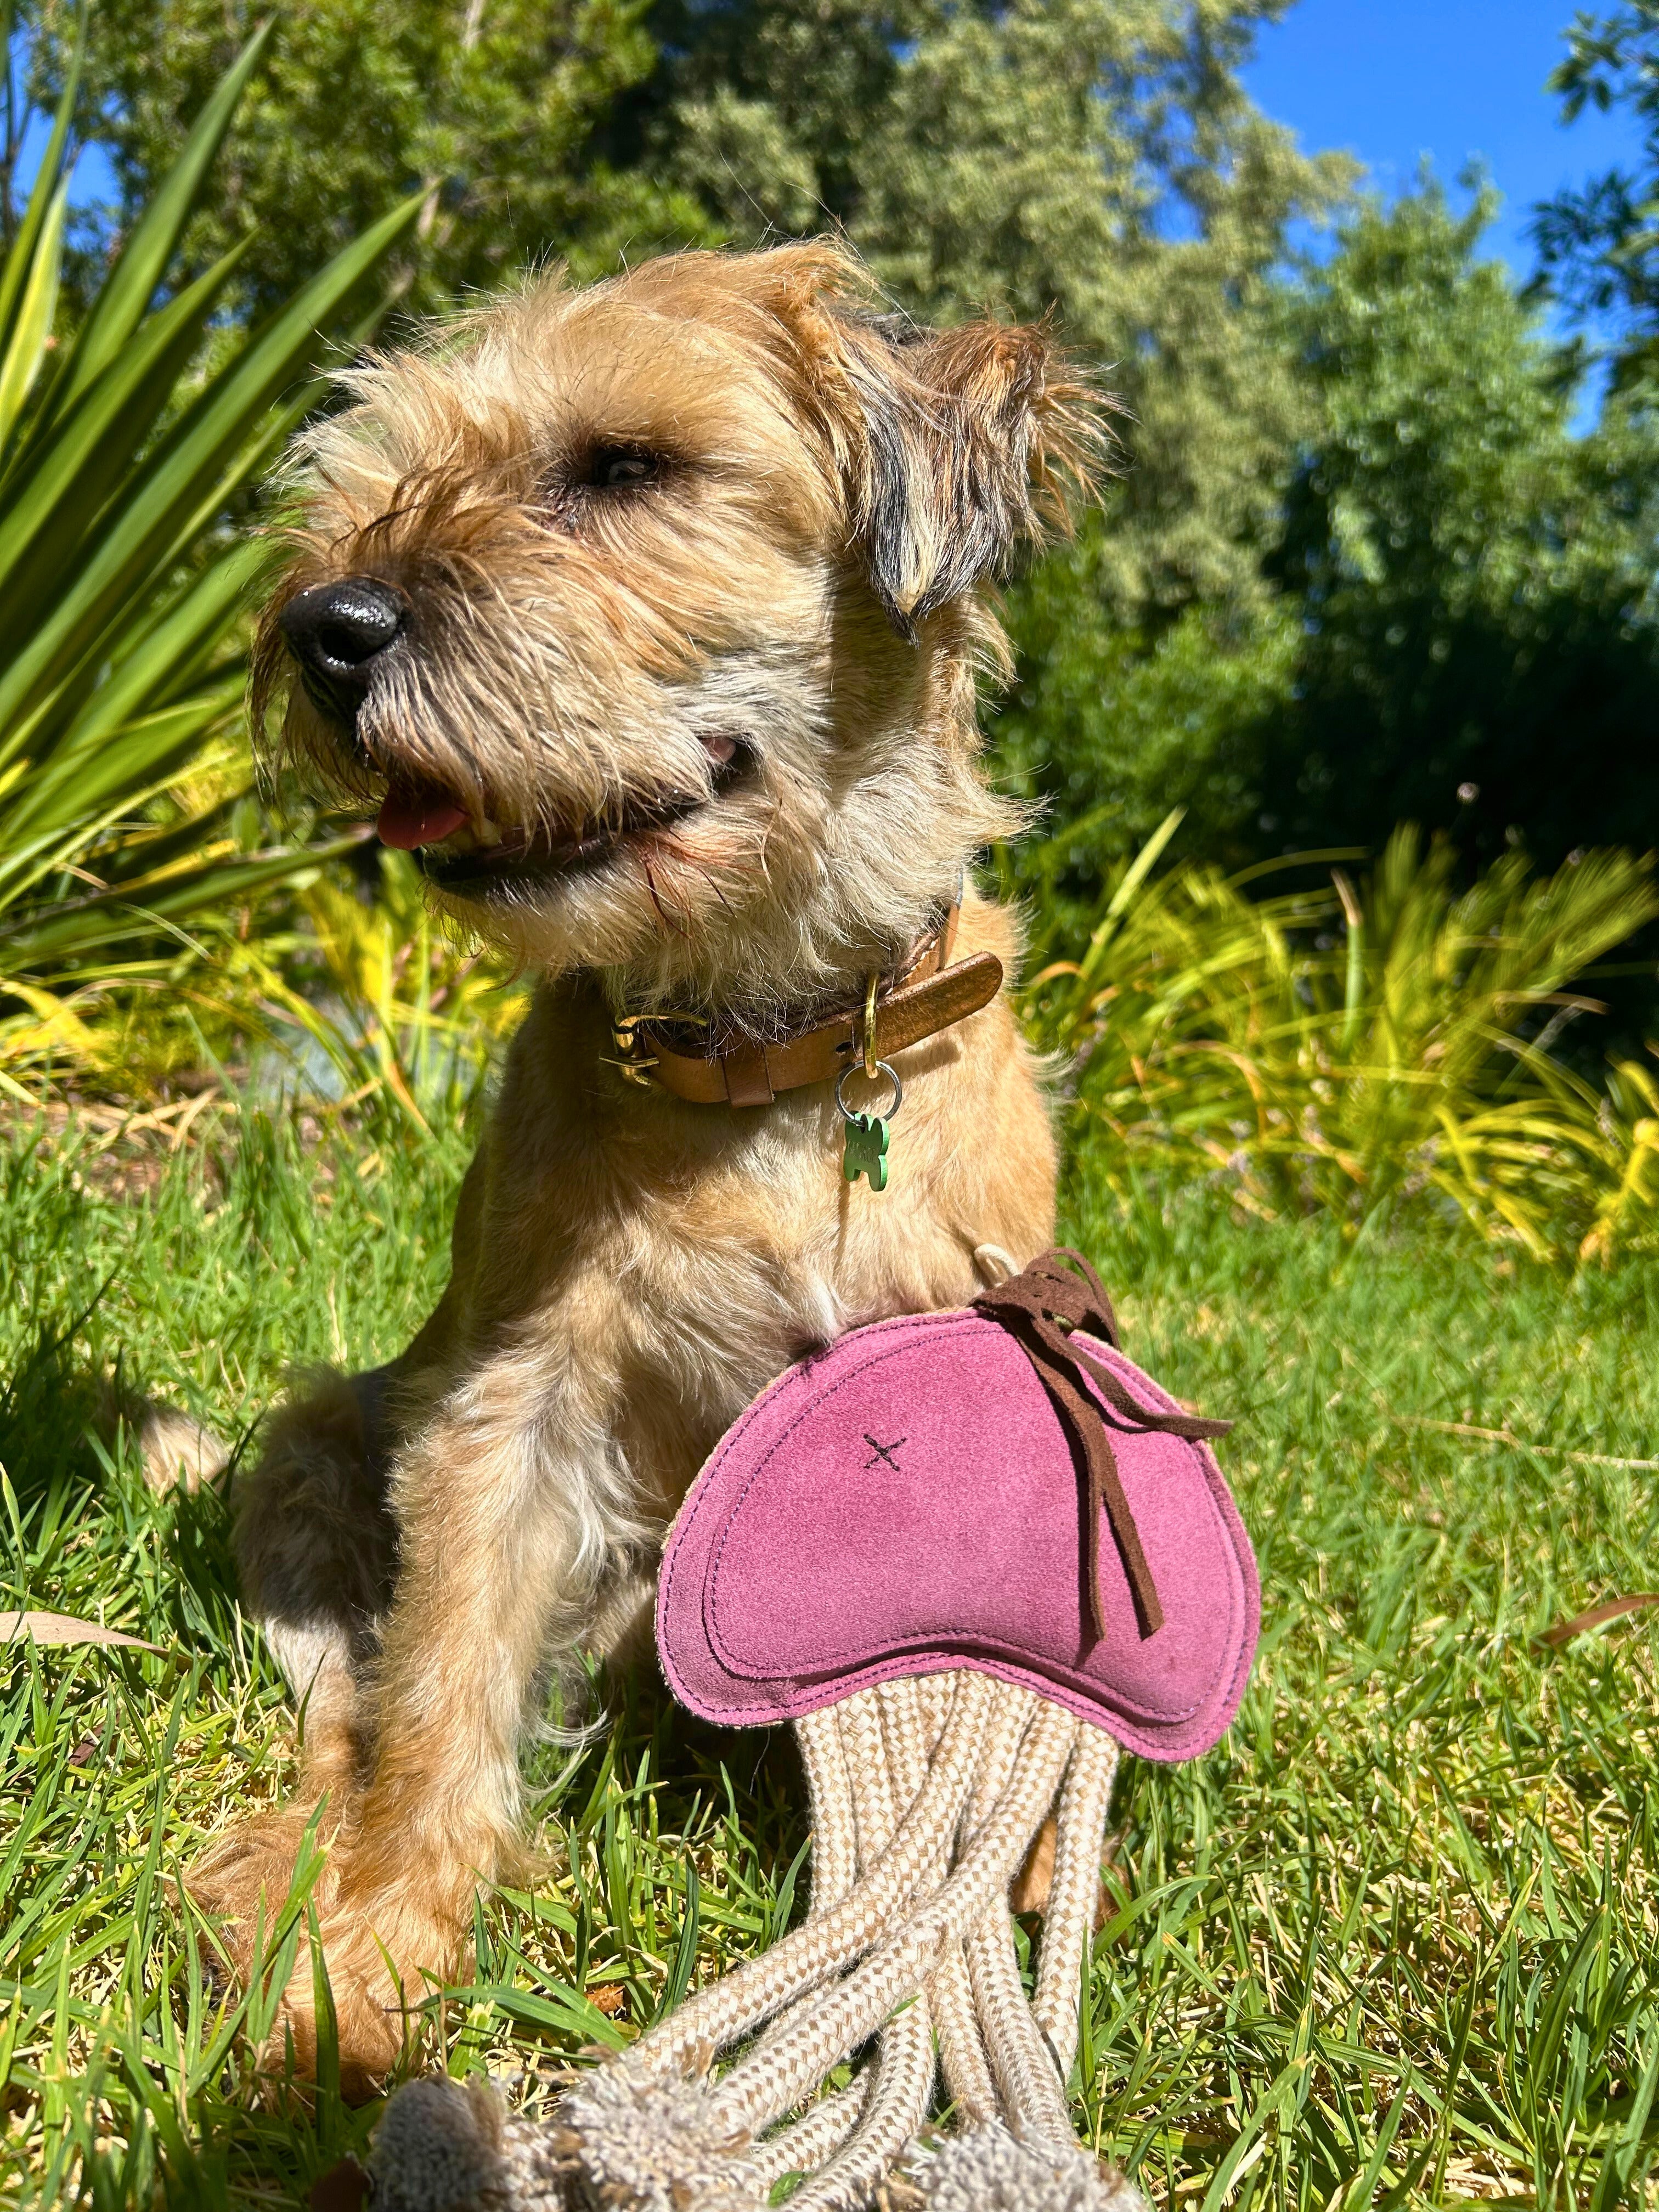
(1390, 80)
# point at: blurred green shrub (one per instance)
(1325, 1051)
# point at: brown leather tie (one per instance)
(1040, 1309)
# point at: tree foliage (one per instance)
(355, 106)
(1094, 159)
(1472, 581)
(1598, 243)
(1461, 629)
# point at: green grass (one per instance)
(1395, 1943)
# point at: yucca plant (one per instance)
(1404, 1057)
(121, 656)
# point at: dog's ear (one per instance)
(954, 448)
(972, 442)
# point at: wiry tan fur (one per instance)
(803, 575)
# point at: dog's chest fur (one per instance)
(642, 1267)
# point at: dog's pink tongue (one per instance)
(406, 821)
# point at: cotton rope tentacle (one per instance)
(886, 1783)
(835, 1855)
(963, 2053)
(834, 1827)
(887, 1770)
(876, 1737)
(625, 2140)
(804, 2147)
(866, 1740)
(960, 2045)
(1032, 2046)
(766, 2084)
(1069, 1918)
(806, 2144)
(901, 2075)
(865, 1734)
(1028, 2160)
(788, 1978)
(822, 1947)
(934, 1694)
(901, 2080)
(962, 2058)
(1023, 2075)
(1033, 2095)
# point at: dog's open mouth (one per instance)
(458, 852)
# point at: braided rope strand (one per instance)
(810, 2141)
(895, 2114)
(835, 1861)
(1033, 2095)
(1068, 1922)
(822, 1947)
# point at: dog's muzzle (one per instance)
(340, 634)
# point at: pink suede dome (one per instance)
(908, 1501)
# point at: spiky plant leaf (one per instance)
(121, 655)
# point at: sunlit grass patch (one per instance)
(1395, 1940)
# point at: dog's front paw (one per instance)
(370, 2022)
(383, 1948)
(244, 1879)
(382, 1957)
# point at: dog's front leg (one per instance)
(510, 1506)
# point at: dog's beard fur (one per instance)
(581, 659)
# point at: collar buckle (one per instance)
(634, 1063)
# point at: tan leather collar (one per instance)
(925, 995)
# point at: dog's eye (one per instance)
(571, 490)
(618, 468)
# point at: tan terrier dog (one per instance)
(650, 614)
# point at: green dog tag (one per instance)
(866, 1149)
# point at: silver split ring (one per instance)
(857, 1069)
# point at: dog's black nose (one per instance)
(338, 631)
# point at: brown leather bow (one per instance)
(1040, 1309)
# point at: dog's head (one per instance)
(649, 613)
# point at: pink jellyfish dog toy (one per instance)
(969, 1556)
